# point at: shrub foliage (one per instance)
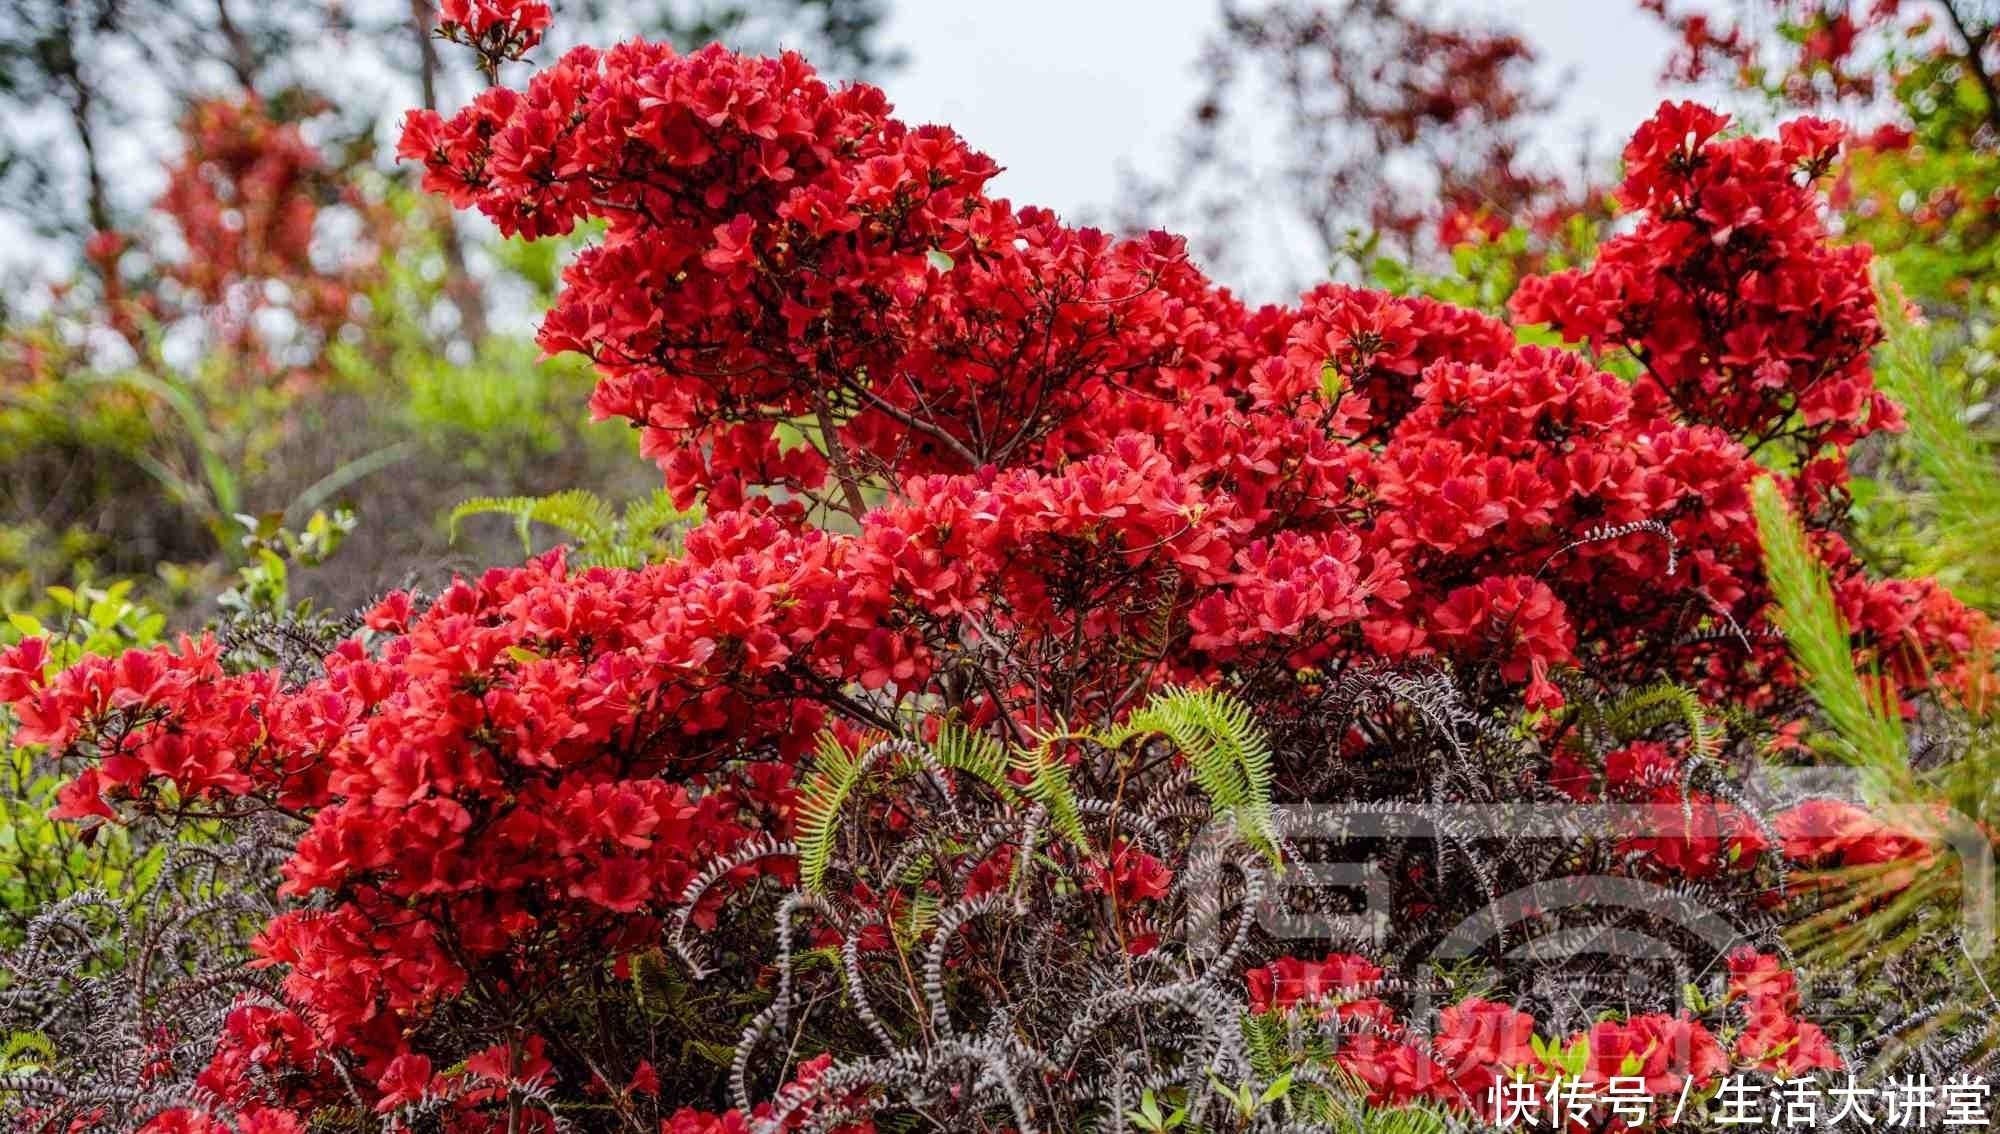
(1052, 609)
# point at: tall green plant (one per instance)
(1865, 732)
(1956, 498)
(1916, 934)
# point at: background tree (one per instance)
(1346, 128)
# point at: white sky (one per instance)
(1063, 92)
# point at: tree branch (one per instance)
(836, 455)
(1975, 57)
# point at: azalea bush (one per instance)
(1052, 613)
(1917, 183)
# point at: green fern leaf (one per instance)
(835, 775)
(1633, 714)
(1227, 752)
(1048, 785)
(577, 513)
(976, 754)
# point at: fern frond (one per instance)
(1048, 784)
(578, 513)
(648, 529)
(1228, 753)
(977, 754)
(835, 774)
(1631, 715)
(601, 537)
(921, 918)
(26, 1051)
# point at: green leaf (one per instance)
(1867, 733)
(600, 535)
(835, 775)
(1331, 384)
(26, 1051)
(1228, 753)
(1048, 785)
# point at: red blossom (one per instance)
(1038, 445)
(500, 29)
(1131, 875)
(1288, 981)
(1664, 1052)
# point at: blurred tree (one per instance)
(77, 75)
(88, 88)
(1355, 126)
(1818, 54)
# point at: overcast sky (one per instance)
(1061, 92)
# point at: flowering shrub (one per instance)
(1478, 1043)
(1731, 254)
(237, 260)
(981, 486)
(868, 290)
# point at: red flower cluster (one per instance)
(1743, 316)
(1477, 1043)
(689, 1121)
(158, 724)
(789, 261)
(1775, 1039)
(1920, 633)
(1495, 461)
(1131, 875)
(1288, 982)
(497, 29)
(1728, 292)
(502, 788)
(260, 1043)
(1682, 832)
(1829, 834)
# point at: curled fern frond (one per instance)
(601, 536)
(1228, 753)
(836, 773)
